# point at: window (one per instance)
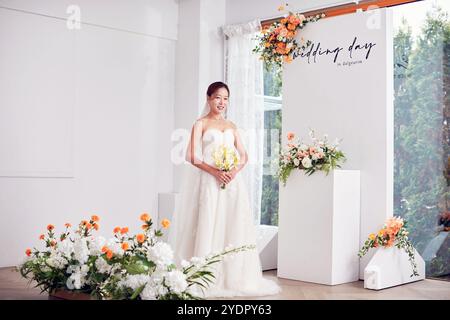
(272, 140)
(421, 128)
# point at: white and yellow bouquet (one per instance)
(225, 159)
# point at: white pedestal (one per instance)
(390, 267)
(319, 223)
(267, 244)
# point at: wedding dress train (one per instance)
(209, 218)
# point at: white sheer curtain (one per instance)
(244, 76)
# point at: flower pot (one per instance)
(64, 294)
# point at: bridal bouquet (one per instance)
(320, 155)
(225, 159)
(394, 232)
(123, 267)
(276, 44)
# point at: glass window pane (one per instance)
(421, 132)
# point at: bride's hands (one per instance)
(222, 176)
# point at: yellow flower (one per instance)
(372, 236)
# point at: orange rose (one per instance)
(95, 218)
(41, 237)
(165, 223)
(144, 227)
(95, 226)
(291, 26)
(67, 225)
(53, 243)
(28, 252)
(290, 136)
(116, 230)
(109, 254)
(125, 246)
(124, 230)
(105, 249)
(50, 227)
(140, 238)
(145, 217)
(88, 225)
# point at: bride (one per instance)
(209, 218)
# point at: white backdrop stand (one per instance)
(319, 223)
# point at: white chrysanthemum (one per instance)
(296, 162)
(56, 260)
(161, 254)
(149, 292)
(134, 281)
(102, 266)
(96, 244)
(176, 281)
(81, 250)
(66, 248)
(78, 277)
(306, 162)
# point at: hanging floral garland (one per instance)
(276, 43)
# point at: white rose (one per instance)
(296, 162)
(306, 162)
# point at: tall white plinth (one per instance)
(319, 223)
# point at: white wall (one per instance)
(85, 115)
(199, 62)
(239, 11)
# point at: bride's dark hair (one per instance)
(213, 87)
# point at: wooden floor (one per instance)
(12, 286)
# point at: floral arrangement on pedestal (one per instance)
(123, 267)
(320, 155)
(225, 159)
(276, 43)
(394, 232)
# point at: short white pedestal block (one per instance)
(267, 244)
(390, 267)
(319, 223)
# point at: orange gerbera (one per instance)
(95, 218)
(124, 230)
(41, 237)
(105, 249)
(145, 217)
(28, 252)
(165, 223)
(125, 246)
(116, 230)
(50, 227)
(140, 237)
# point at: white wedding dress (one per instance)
(209, 218)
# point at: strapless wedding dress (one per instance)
(211, 218)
